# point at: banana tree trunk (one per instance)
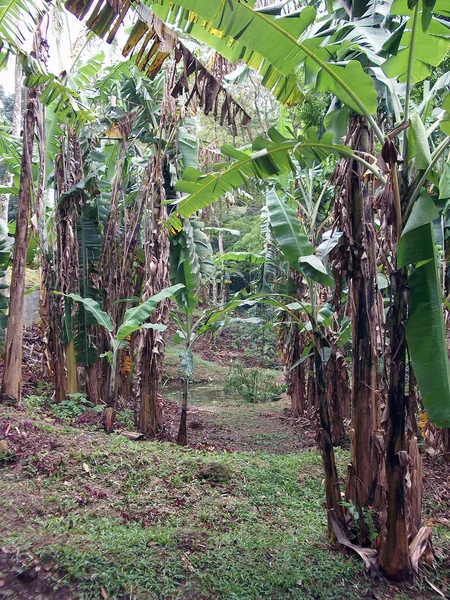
(12, 375)
(182, 432)
(150, 408)
(292, 347)
(332, 487)
(297, 374)
(338, 393)
(394, 555)
(151, 418)
(157, 278)
(358, 260)
(68, 171)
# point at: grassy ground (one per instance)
(205, 371)
(83, 515)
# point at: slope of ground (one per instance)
(85, 515)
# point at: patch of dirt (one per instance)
(37, 448)
(242, 428)
(25, 577)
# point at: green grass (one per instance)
(204, 371)
(135, 520)
(140, 521)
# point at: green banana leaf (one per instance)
(250, 257)
(135, 317)
(419, 149)
(445, 123)
(240, 33)
(17, 17)
(425, 328)
(430, 46)
(89, 248)
(270, 158)
(100, 316)
(6, 245)
(293, 242)
(190, 262)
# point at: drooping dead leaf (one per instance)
(418, 547)
(368, 555)
(152, 42)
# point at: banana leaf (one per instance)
(293, 242)
(269, 158)
(425, 328)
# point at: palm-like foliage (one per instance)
(16, 18)
(270, 158)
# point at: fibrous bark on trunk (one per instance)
(358, 260)
(394, 550)
(338, 393)
(332, 487)
(12, 375)
(157, 274)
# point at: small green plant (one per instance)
(74, 406)
(253, 385)
(126, 418)
(368, 516)
(36, 403)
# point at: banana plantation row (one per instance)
(354, 227)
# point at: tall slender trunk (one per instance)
(354, 210)
(157, 269)
(332, 487)
(182, 432)
(152, 341)
(394, 551)
(68, 172)
(150, 408)
(297, 374)
(12, 376)
(292, 342)
(338, 393)
(53, 348)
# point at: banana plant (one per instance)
(133, 320)
(268, 158)
(190, 264)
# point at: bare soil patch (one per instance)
(242, 427)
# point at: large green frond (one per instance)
(269, 158)
(425, 328)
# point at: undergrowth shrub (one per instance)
(68, 409)
(257, 342)
(253, 384)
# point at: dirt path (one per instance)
(243, 427)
